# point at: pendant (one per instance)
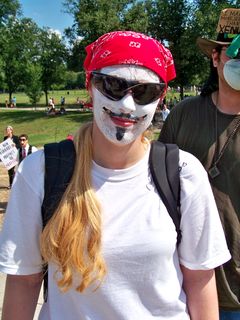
(213, 172)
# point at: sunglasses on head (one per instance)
(115, 88)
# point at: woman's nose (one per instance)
(127, 104)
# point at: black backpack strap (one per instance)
(164, 168)
(59, 165)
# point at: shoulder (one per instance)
(192, 172)
(188, 159)
(15, 137)
(194, 182)
(33, 166)
(191, 102)
(190, 108)
(34, 149)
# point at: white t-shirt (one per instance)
(144, 280)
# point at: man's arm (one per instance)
(21, 296)
(200, 288)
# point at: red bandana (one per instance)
(132, 48)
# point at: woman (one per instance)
(9, 134)
(111, 244)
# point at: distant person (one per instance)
(25, 148)
(9, 134)
(51, 110)
(14, 101)
(165, 112)
(51, 103)
(62, 101)
(62, 110)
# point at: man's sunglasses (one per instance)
(116, 88)
(22, 139)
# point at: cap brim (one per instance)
(207, 46)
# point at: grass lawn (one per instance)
(41, 128)
(70, 98)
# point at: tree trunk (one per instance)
(46, 96)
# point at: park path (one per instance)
(4, 194)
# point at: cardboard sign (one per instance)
(8, 153)
(229, 21)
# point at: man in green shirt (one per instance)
(208, 126)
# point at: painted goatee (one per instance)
(120, 133)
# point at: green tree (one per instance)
(52, 57)
(19, 39)
(8, 8)
(33, 84)
(96, 17)
(177, 23)
(189, 19)
(169, 23)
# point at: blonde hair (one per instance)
(72, 237)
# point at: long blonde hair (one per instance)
(72, 237)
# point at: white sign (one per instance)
(8, 153)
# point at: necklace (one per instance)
(214, 171)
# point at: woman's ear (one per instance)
(215, 58)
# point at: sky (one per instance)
(47, 13)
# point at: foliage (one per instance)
(33, 87)
(8, 8)
(177, 23)
(19, 47)
(51, 58)
(96, 17)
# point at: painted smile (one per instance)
(123, 119)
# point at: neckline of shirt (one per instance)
(121, 174)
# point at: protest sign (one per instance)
(229, 21)
(8, 153)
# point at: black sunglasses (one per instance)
(116, 88)
(22, 139)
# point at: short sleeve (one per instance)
(203, 245)
(19, 238)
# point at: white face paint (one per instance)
(123, 121)
(231, 72)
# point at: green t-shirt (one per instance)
(195, 125)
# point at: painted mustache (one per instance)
(128, 116)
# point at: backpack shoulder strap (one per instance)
(59, 166)
(164, 168)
